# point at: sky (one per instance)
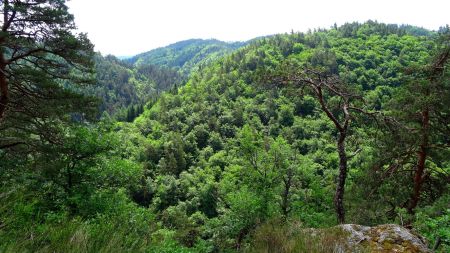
(129, 27)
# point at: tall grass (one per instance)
(123, 228)
(277, 236)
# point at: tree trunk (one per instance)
(4, 96)
(70, 168)
(242, 234)
(420, 167)
(285, 197)
(339, 196)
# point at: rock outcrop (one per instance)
(381, 239)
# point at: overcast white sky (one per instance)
(129, 27)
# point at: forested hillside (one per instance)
(186, 56)
(267, 149)
(124, 86)
(255, 148)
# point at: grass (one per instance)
(280, 237)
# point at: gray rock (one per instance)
(383, 238)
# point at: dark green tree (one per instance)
(286, 115)
(131, 114)
(42, 65)
(419, 124)
(337, 101)
(434, 105)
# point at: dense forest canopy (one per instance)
(207, 146)
(186, 56)
(125, 86)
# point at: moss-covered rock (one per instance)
(383, 238)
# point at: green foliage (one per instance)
(252, 153)
(433, 222)
(119, 226)
(286, 115)
(124, 88)
(187, 56)
(44, 67)
(227, 162)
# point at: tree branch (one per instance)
(12, 144)
(29, 53)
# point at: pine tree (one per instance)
(420, 126)
(43, 66)
(325, 87)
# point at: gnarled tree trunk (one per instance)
(340, 188)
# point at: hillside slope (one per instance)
(243, 158)
(187, 55)
(124, 84)
(121, 85)
(233, 150)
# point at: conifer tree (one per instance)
(43, 66)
